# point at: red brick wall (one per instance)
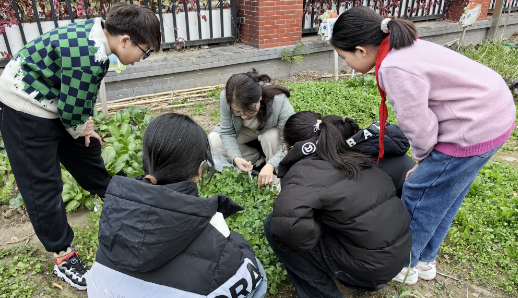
(457, 9)
(270, 24)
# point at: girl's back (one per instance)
(340, 200)
(158, 238)
(441, 98)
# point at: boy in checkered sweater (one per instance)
(47, 97)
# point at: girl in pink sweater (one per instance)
(455, 112)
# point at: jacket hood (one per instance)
(143, 226)
(304, 149)
(366, 140)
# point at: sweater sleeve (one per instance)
(286, 110)
(293, 220)
(408, 95)
(228, 133)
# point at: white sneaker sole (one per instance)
(409, 281)
(428, 274)
(67, 280)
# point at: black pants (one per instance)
(35, 147)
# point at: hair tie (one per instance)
(384, 25)
(343, 119)
(317, 126)
(151, 178)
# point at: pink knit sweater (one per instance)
(446, 101)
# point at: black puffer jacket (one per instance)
(395, 162)
(165, 235)
(362, 223)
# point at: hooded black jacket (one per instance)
(395, 162)
(364, 226)
(162, 234)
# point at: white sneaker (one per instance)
(427, 271)
(413, 276)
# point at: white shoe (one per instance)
(427, 271)
(412, 278)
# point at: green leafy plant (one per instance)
(249, 223)
(357, 98)
(17, 201)
(198, 109)
(296, 54)
(85, 239)
(6, 177)
(485, 231)
(123, 134)
(214, 93)
(73, 194)
(496, 55)
(16, 265)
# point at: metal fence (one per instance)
(507, 3)
(215, 19)
(414, 10)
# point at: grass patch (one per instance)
(503, 59)
(485, 232)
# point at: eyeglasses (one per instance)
(240, 114)
(146, 53)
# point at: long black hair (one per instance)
(331, 146)
(174, 147)
(361, 26)
(246, 89)
(346, 126)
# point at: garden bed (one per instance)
(479, 254)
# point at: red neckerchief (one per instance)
(382, 53)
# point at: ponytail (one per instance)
(361, 26)
(403, 33)
(331, 145)
(345, 125)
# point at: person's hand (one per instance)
(89, 132)
(410, 171)
(266, 175)
(242, 164)
(89, 128)
(92, 135)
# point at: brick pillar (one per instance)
(270, 24)
(457, 9)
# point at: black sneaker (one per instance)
(72, 271)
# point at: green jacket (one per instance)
(230, 126)
(57, 75)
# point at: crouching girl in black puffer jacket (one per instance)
(336, 215)
(158, 238)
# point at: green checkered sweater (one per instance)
(58, 74)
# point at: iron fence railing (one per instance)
(414, 10)
(507, 3)
(215, 19)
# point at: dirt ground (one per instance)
(15, 223)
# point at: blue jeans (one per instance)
(310, 272)
(433, 194)
(260, 291)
